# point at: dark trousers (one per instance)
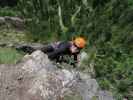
(31, 48)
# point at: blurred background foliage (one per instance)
(107, 25)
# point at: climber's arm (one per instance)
(47, 49)
(62, 49)
(56, 53)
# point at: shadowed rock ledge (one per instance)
(37, 78)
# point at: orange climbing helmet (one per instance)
(80, 42)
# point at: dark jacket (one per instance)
(54, 51)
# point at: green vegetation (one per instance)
(9, 56)
(107, 24)
(9, 35)
(7, 11)
(73, 97)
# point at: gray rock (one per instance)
(105, 95)
(35, 77)
(2, 20)
(89, 67)
(15, 21)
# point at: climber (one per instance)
(59, 49)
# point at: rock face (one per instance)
(105, 95)
(37, 78)
(16, 22)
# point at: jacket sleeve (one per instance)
(58, 52)
(47, 49)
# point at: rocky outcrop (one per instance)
(37, 78)
(16, 22)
